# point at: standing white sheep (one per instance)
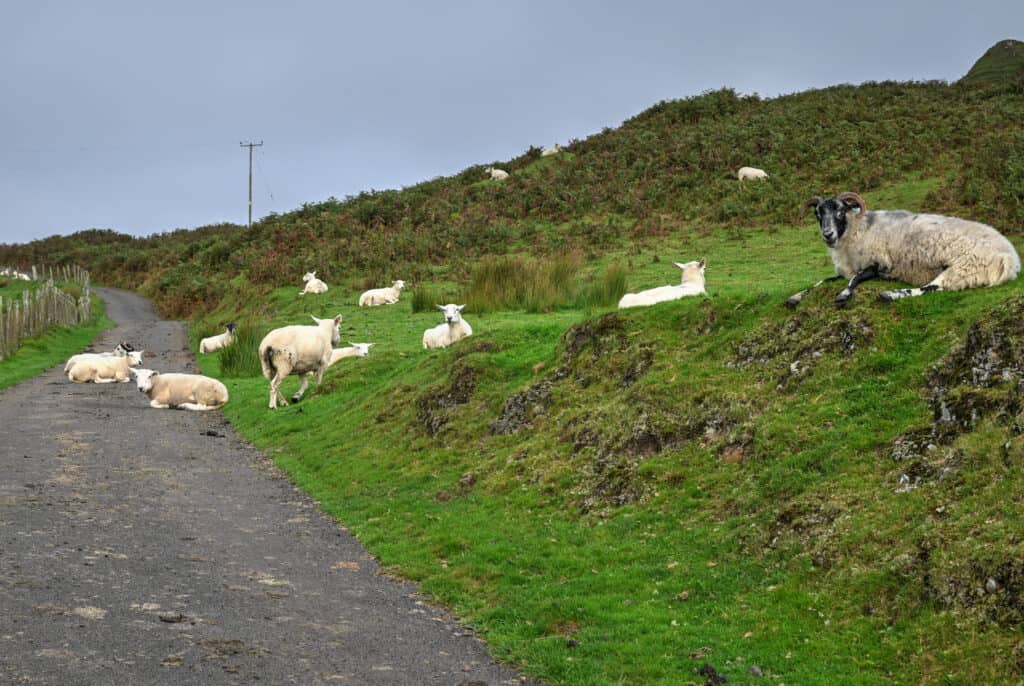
(353, 350)
(751, 174)
(222, 340)
(313, 284)
(692, 284)
(929, 251)
(187, 391)
(382, 296)
(455, 328)
(297, 349)
(496, 174)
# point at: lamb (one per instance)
(692, 284)
(103, 369)
(123, 349)
(313, 284)
(354, 350)
(553, 150)
(187, 391)
(297, 349)
(454, 328)
(751, 174)
(222, 340)
(382, 296)
(496, 174)
(929, 251)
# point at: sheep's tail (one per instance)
(268, 362)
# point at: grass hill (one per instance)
(1002, 65)
(714, 487)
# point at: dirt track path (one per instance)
(142, 546)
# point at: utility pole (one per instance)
(250, 145)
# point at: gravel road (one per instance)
(142, 546)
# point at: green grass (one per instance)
(587, 557)
(39, 353)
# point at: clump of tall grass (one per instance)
(426, 296)
(605, 290)
(242, 358)
(512, 282)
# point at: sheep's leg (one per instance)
(302, 387)
(196, 406)
(156, 404)
(844, 296)
(794, 300)
(936, 284)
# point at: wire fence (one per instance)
(38, 309)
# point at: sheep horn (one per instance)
(813, 202)
(844, 197)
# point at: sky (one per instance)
(129, 114)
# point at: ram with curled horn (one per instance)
(930, 252)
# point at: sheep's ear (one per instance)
(680, 265)
(337, 319)
(440, 307)
(314, 319)
(703, 262)
(459, 307)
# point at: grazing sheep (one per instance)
(222, 340)
(104, 369)
(751, 174)
(553, 150)
(929, 251)
(187, 391)
(454, 328)
(382, 296)
(354, 350)
(297, 349)
(15, 274)
(496, 174)
(313, 284)
(123, 349)
(692, 284)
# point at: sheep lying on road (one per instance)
(104, 369)
(929, 251)
(123, 349)
(187, 391)
(313, 284)
(297, 349)
(354, 350)
(455, 328)
(382, 296)
(692, 284)
(222, 340)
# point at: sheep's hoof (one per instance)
(842, 302)
(887, 296)
(792, 302)
(296, 398)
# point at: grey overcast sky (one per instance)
(128, 114)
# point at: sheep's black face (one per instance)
(832, 217)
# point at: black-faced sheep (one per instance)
(929, 251)
(222, 340)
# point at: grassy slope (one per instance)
(1003, 63)
(700, 514)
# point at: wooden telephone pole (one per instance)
(250, 145)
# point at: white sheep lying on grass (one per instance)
(313, 284)
(222, 340)
(692, 284)
(455, 328)
(297, 349)
(187, 391)
(751, 174)
(382, 296)
(496, 174)
(929, 251)
(553, 150)
(353, 350)
(104, 369)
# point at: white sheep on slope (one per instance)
(297, 349)
(751, 174)
(313, 284)
(187, 391)
(455, 328)
(382, 296)
(553, 150)
(929, 251)
(692, 284)
(496, 174)
(222, 340)
(353, 350)
(102, 369)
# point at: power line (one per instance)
(250, 145)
